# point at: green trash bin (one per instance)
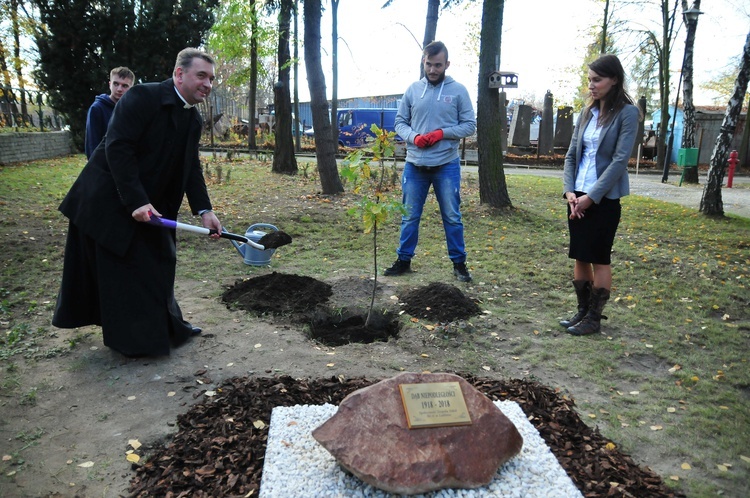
(687, 158)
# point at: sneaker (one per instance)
(461, 272)
(399, 268)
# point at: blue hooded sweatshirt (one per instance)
(426, 107)
(97, 121)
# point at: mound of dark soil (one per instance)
(277, 293)
(439, 302)
(220, 447)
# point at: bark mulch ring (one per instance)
(220, 447)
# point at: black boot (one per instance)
(591, 323)
(583, 293)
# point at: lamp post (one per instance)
(689, 16)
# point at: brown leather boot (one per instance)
(591, 323)
(583, 293)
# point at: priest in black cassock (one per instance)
(119, 271)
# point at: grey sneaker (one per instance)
(399, 268)
(461, 272)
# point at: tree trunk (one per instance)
(297, 129)
(325, 147)
(664, 149)
(283, 157)
(430, 29)
(17, 59)
(253, 93)
(335, 70)
(688, 109)
(711, 203)
(493, 189)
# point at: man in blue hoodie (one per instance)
(97, 119)
(434, 115)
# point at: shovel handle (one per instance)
(163, 222)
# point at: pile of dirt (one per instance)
(439, 302)
(220, 447)
(277, 293)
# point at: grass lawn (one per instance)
(668, 379)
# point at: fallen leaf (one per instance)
(635, 393)
(7, 458)
(722, 468)
(424, 355)
(656, 427)
(685, 466)
(674, 478)
(257, 345)
(432, 327)
(674, 368)
(485, 367)
(86, 465)
(133, 458)
(330, 364)
(610, 446)
(671, 409)
(745, 459)
(259, 424)
(210, 393)
(592, 415)
(172, 393)
(134, 443)
(415, 320)
(131, 398)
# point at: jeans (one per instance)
(446, 183)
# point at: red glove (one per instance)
(428, 139)
(434, 137)
(421, 141)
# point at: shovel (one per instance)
(269, 241)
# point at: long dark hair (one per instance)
(609, 66)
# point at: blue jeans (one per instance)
(446, 183)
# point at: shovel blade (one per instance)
(275, 239)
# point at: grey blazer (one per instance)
(616, 142)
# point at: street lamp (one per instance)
(689, 16)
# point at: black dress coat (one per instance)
(118, 272)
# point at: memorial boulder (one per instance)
(370, 436)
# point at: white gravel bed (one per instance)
(298, 466)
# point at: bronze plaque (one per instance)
(434, 404)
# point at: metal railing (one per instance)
(22, 108)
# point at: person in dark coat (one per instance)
(121, 79)
(119, 271)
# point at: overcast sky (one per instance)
(543, 41)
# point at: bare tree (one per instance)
(711, 203)
(493, 189)
(325, 147)
(283, 157)
(335, 70)
(688, 109)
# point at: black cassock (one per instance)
(119, 273)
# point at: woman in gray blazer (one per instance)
(594, 178)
